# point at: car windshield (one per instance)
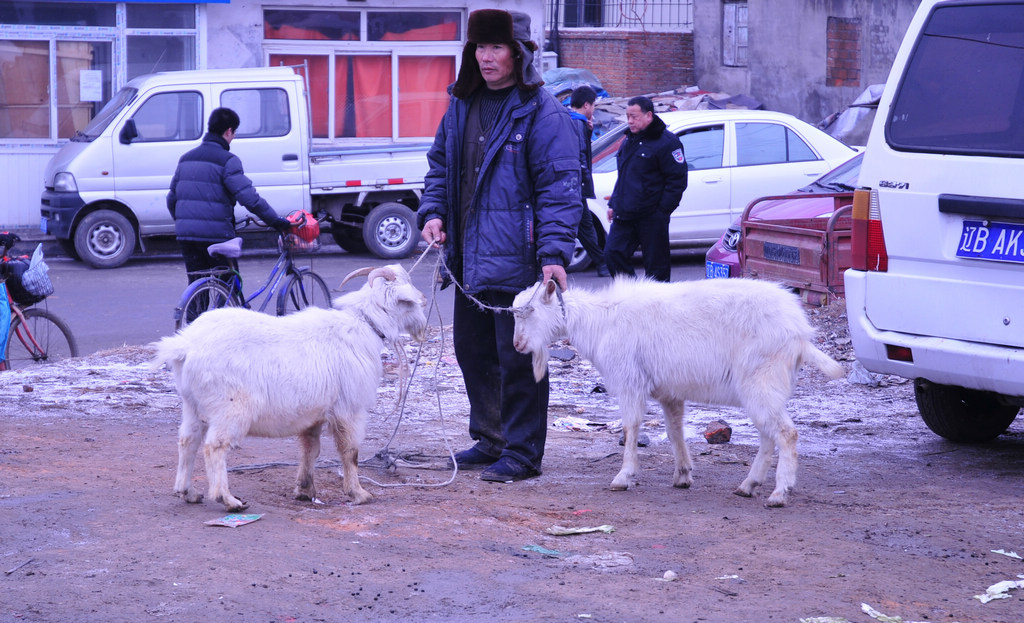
(605, 147)
(100, 122)
(840, 179)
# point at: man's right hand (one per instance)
(433, 232)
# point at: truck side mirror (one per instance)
(129, 132)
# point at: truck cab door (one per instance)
(270, 142)
(146, 149)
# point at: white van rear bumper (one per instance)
(987, 367)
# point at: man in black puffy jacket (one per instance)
(651, 181)
(207, 184)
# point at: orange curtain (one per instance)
(439, 32)
(422, 95)
(363, 96)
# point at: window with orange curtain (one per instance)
(371, 55)
(420, 104)
(413, 26)
(362, 86)
(319, 89)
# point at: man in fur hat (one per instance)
(503, 197)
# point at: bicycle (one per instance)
(222, 287)
(35, 336)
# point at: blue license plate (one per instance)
(988, 240)
(716, 270)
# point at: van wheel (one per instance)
(104, 239)
(348, 238)
(390, 232)
(962, 415)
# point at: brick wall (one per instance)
(842, 61)
(630, 63)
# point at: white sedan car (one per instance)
(733, 156)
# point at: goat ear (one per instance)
(549, 290)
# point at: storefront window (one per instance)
(59, 13)
(57, 59)
(149, 54)
(160, 16)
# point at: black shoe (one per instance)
(508, 469)
(472, 459)
(602, 271)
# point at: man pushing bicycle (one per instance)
(207, 184)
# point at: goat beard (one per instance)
(540, 364)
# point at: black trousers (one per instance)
(508, 409)
(587, 236)
(650, 234)
(198, 259)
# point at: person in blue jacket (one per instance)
(650, 183)
(502, 196)
(207, 183)
(581, 104)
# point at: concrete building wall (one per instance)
(790, 51)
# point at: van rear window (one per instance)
(963, 89)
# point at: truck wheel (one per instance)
(962, 415)
(104, 239)
(348, 238)
(579, 261)
(389, 231)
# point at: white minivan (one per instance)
(936, 292)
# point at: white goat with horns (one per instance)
(736, 342)
(240, 372)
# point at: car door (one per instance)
(703, 212)
(771, 159)
(269, 143)
(164, 126)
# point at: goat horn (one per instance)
(359, 272)
(385, 272)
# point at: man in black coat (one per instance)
(651, 181)
(207, 184)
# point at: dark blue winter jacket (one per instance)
(527, 203)
(652, 173)
(206, 185)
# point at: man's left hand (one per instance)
(556, 272)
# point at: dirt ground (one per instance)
(885, 513)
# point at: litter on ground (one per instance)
(1000, 590)
(563, 531)
(233, 521)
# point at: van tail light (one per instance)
(868, 243)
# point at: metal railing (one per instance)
(622, 14)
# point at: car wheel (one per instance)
(390, 232)
(348, 238)
(580, 260)
(962, 415)
(104, 239)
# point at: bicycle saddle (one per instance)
(228, 248)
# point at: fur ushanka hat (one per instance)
(497, 26)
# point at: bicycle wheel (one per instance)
(305, 289)
(41, 338)
(202, 295)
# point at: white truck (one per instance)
(105, 190)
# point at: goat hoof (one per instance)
(361, 497)
(619, 486)
(743, 494)
(681, 485)
(191, 498)
(775, 501)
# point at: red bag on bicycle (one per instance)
(306, 226)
